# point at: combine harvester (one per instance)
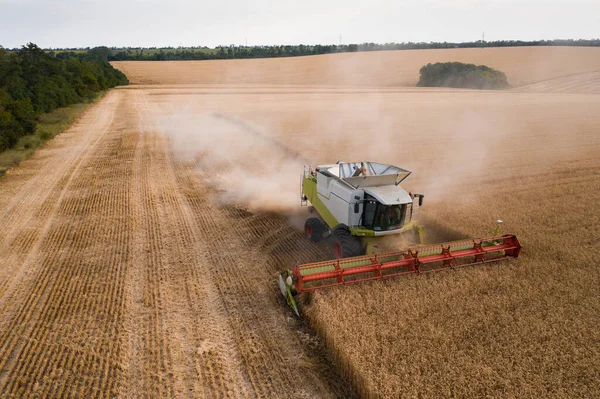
(356, 205)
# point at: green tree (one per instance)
(33, 82)
(459, 75)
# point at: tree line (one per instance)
(231, 52)
(33, 82)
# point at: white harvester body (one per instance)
(364, 197)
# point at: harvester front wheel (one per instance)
(344, 244)
(314, 229)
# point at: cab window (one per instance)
(389, 217)
(379, 217)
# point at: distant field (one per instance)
(588, 82)
(522, 65)
(141, 247)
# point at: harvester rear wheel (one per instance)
(314, 229)
(344, 245)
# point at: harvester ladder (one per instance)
(303, 199)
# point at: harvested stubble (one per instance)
(110, 284)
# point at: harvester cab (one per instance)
(355, 205)
(355, 202)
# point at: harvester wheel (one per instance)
(314, 229)
(344, 244)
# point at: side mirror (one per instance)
(356, 207)
(421, 199)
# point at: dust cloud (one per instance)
(451, 140)
(251, 162)
(244, 165)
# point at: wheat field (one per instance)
(140, 248)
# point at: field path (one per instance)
(120, 276)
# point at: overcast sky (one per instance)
(148, 23)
